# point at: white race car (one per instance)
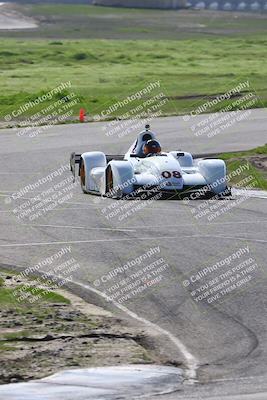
(146, 168)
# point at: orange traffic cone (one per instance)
(82, 115)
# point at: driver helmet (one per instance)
(152, 147)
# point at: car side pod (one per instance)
(214, 172)
(120, 179)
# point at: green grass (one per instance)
(16, 335)
(8, 299)
(50, 297)
(104, 71)
(110, 53)
(26, 310)
(261, 150)
(259, 179)
(6, 347)
(237, 159)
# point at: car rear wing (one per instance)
(76, 159)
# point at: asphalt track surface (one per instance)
(221, 344)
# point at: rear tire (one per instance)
(83, 177)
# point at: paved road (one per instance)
(12, 19)
(222, 343)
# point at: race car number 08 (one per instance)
(168, 174)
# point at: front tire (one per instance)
(109, 182)
(111, 191)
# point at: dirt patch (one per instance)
(44, 337)
(259, 162)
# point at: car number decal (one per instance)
(168, 174)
